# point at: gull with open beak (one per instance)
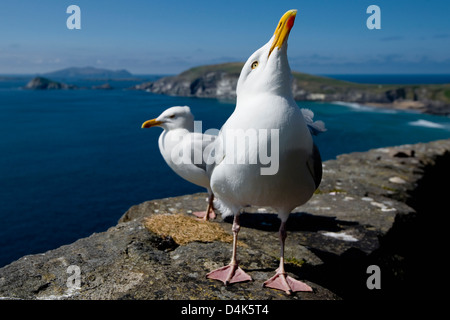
(179, 145)
(265, 101)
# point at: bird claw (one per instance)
(199, 214)
(229, 274)
(204, 216)
(281, 281)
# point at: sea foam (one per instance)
(360, 107)
(427, 124)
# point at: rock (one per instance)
(105, 86)
(397, 180)
(356, 219)
(219, 81)
(40, 83)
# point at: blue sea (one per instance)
(72, 162)
(393, 78)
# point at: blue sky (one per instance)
(166, 37)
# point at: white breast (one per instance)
(292, 185)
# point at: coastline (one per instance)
(219, 81)
(416, 106)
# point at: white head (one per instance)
(173, 118)
(267, 70)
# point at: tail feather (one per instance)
(222, 208)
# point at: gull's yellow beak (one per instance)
(282, 31)
(151, 123)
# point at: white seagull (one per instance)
(183, 149)
(265, 103)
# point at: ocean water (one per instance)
(72, 162)
(393, 78)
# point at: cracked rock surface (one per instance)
(367, 211)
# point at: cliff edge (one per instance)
(383, 207)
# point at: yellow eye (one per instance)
(254, 64)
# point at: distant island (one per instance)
(219, 81)
(88, 73)
(41, 83)
(47, 81)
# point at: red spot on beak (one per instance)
(290, 22)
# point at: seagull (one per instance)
(183, 149)
(265, 102)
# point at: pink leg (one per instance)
(231, 273)
(281, 281)
(209, 213)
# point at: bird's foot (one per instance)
(204, 216)
(229, 274)
(281, 281)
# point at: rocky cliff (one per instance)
(383, 207)
(216, 81)
(219, 81)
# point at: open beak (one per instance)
(151, 123)
(282, 31)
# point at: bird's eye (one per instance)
(254, 64)
(172, 116)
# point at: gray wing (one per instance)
(315, 165)
(201, 142)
